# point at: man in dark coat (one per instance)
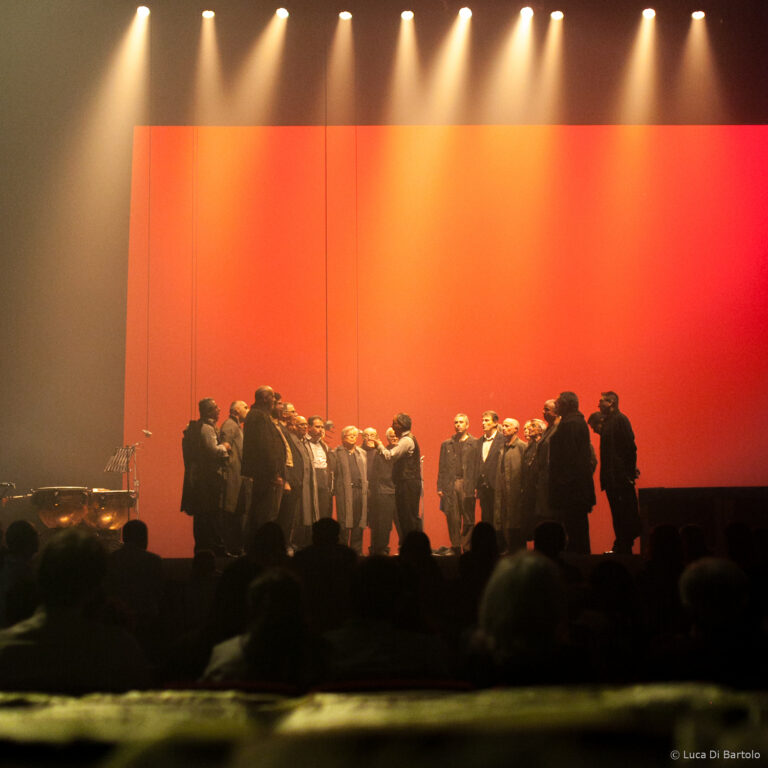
(456, 483)
(290, 504)
(618, 471)
(204, 457)
(381, 493)
(237, 490)
(263, 461)
(571, 488)
(487, 458)
(512, 530)
(351, 489)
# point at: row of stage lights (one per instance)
(464, 13)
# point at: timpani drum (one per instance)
(61, 506)
(109, 510)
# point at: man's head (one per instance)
(135, 534)
(609, 402)
(595, 421)
(566, 403)
(461, 424)
(264, 399)
(288, 414)
(349, 437)
(549, 413)
(533, 429)
(208, 409)
(238, 411)
(401, 423)
(300, 425)
(392, 438)
(490, 422)
(509, 428)
(316, 430)
(370, 436)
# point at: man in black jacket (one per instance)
(264, 456)
(487, 458)
(571, 488)
(618, 471)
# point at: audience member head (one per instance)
(325, 532)
(274, 598)
(595, 421)
(268, 546)
(483, 542)
(716, 594)
(401, 423)
(566, 403)
(135, 534)
(522, 607)
(665, 547)
(72, 567)
(22, 539)
(550, 539)
(208, 409)
(416, 547)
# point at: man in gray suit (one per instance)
(456, 474)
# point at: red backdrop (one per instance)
(452, 268)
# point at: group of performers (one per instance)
(267, 463)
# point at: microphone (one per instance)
(7, 485)
(147, 433)
(329, 426)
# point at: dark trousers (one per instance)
(381, 514)
(324, 498)
(486, 496)
(626, 517)
(460, 515)
(286, 516)
(353, 536)
(206, 528)
(265, 506)
(232, 531)
(407, 498)
(575, 520)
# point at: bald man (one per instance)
(512, 530)
(237, 490)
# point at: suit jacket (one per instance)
(343, 487)
(203, 459)
(263, 451)
(618, 452)
(487, 470)
(570, 465)
(448, 465)
(232, 433)
(295, 474)
(540, 475)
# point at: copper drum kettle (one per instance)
(61, 507)
(109, 510)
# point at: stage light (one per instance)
(142, 11)
(465, 13)
(649, 13)
(208, 14)
(557, 15)
(406, 15)
(697, 15)
(346, 15)
(527, 12)
(282, 13)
